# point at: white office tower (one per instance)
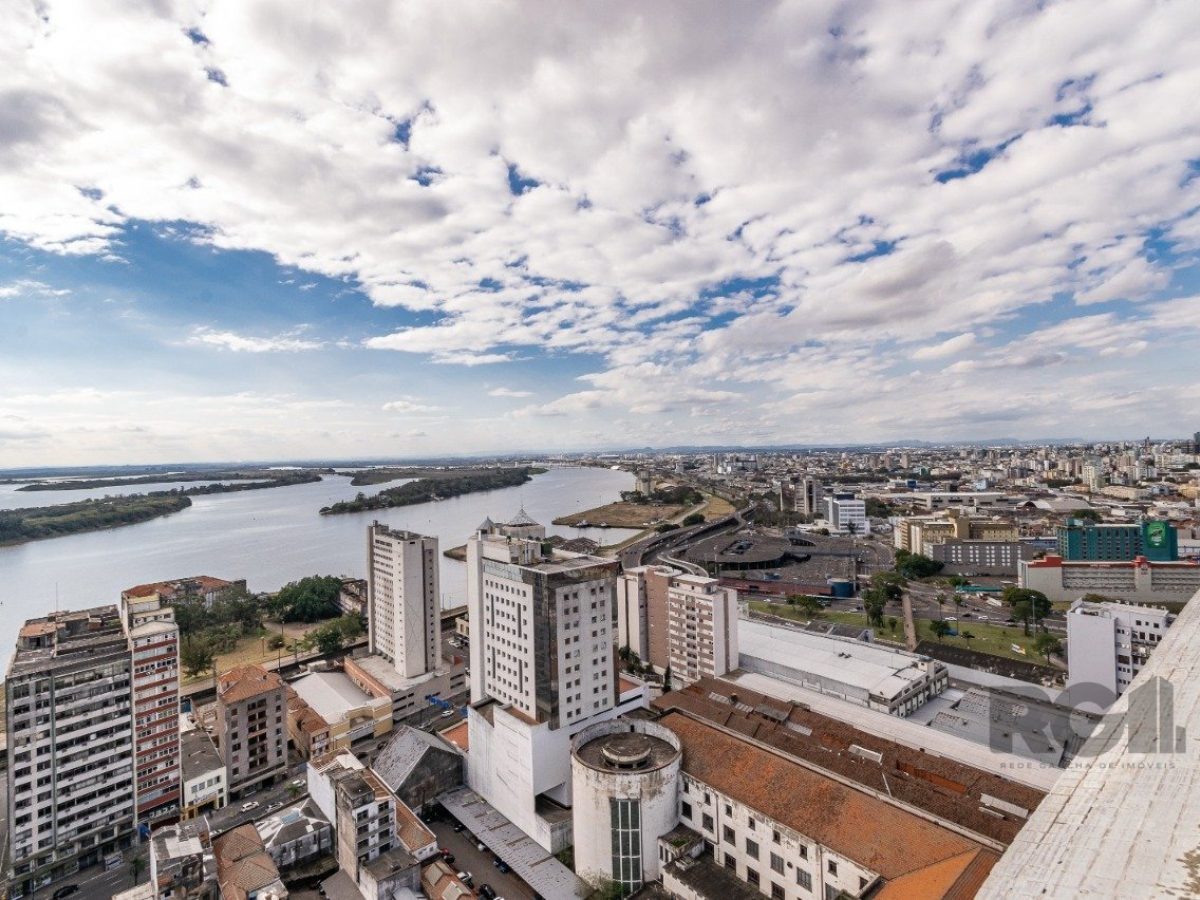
(1109, 643)
(846, 514)
(543, 667)
(403, 614)
(809, 496)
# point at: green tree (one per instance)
(137, 866)
(892, 623)
(891, 583)
(667, 680)
(328, 638)
(1047, 645)
(197, 656)
(693, 519)
(310, 599)
(874, 601)
(1027, 605)
(276, 642)
(939, 628)
(968, 637)
(916, 565)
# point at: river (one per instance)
(269, 537)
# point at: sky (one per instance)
(266, 230)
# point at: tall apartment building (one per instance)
(154, 642)
(642, 614)
(1108, 643)
(251, 728)
(846, 514)
(702, 623)
(543, 666)
(917, 534)
(403, 610)
(70, 745)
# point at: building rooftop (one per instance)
(291, 823)
(169, 590)
(881, 671)
(244, 868)
(68, 638)
(985, 803)
(197, 753)
(331, 695)
(626, 751)
(1124, 820)
(873, 833)
(404, 750)
(243, 682)
(928, 742)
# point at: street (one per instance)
(468, 858)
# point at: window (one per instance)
(804, 851)
(777, 892)
(750, 822)
(707, 822)
(729, 835)
(775, 838)
(752, 877)
(833, 867)
(804, 879)
(730, 861)
(776, 863)
(728, 810)
(752, 848)
(685, 809)
(626, 842)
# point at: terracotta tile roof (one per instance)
(871, 832)
(201, 584)
(411, 831)
(243, 864)
(458, 735)
(957, 878)
(243, 682)
(945, 788)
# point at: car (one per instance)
(465, 878)
(65, 891)
(486, 892)
(278, 804)
(253, 804)
(447, 713)
(967, 615)
(951, 619)
(448, 857)
(458, 826)
(480, 846)
(299, 782)
(502, 866)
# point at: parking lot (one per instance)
(468, 858)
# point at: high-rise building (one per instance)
(70, 745)
(809, 496)
(154, 642)
(702, 623)
(1109, 643)
(403, 614)
(642, 614)
(543, 666)
(251, 728)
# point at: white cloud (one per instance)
(228, 340)
(508, 392)
(657, 217)
(948, 347)
(408, 405)
(27, 287)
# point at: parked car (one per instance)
(253, 804)
(480, 846)
(65, 891)
(458, 826)
(503, 867)
(447, 713)
(465, 878)
(486, 892)
(299, 782)
(278, 804)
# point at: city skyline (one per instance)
(235, 232)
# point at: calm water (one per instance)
(269, 537)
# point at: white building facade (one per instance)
(403, 607)
(1108, 643)
(846, 514)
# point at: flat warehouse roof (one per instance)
(872, 668)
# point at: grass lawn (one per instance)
(994, 639)
(253, 650)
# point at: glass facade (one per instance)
(626, 843)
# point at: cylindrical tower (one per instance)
(625, 789)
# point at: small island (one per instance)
(36, 523)
(255, 478)
(439, 484)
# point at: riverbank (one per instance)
(264, 477)
(622, 514)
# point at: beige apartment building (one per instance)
(251, 728)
